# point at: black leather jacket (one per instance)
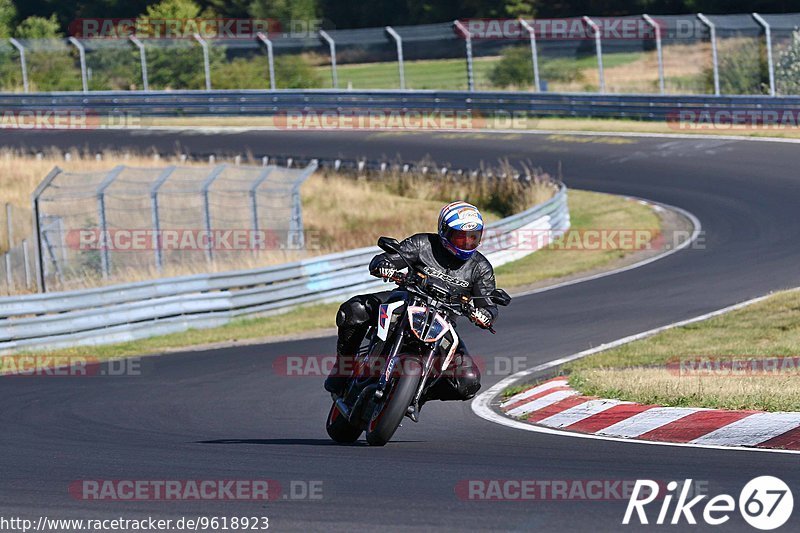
(474, 276)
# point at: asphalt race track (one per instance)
(228, 414)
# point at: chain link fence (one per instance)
(16, 252)
(677, 54)
(138, 223)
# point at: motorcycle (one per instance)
(406, 352)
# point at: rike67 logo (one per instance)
(765, 503)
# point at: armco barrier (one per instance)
(259, 102)
(132, 311)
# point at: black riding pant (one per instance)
(353, 319)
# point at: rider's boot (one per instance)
(337, 379)
(346, 347)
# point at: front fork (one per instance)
(426, 372)
(392, 361)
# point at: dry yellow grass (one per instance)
(681, 62)
(339, 212)
(20, 174)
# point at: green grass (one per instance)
(442, 74)
(449, 74)
(588, 209)
(637, 372)
(446, 74)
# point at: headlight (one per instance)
(416, 316)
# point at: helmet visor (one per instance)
(463, 240)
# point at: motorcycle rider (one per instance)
(450, 255)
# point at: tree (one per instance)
(7, 15)
(284, 10)
(51, 65)
(172, 9)
(39, 28)
(179, 64)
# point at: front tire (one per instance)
(340, 429)
(385, 421)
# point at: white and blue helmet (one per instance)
(460, 228)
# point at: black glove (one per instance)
(481, 317)
(384, 269)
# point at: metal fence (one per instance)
(142, 221)
(119, 105)
(677, 54)
(125, 312)
(16, 251)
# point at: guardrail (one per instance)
(258, 102)
(132, 311)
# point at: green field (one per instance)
(451, 74)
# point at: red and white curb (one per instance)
(554, 404)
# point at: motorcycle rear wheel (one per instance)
(385, 421)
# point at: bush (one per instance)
(742, 68)
(296, 72)
(515, 68)
(504, 196)
(291, 72)
(787, 69)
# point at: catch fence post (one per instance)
(206, 61)
(270, 58)
(22, 63)
(598, 45)
(105, 263)
(657, 29)
(332, 47)
(770, 63)
(468, 39)
(534, 53)
(142, 60)
(400, 65)
(82, 56)
(713, 29)
(156, 219)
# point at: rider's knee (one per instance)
(353, 312)
(468, 380)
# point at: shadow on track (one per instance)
(291, 442)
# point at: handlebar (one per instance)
(410, 282)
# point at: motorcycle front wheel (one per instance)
(387, 416)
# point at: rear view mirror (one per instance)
(500, 297)
(390, 245)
